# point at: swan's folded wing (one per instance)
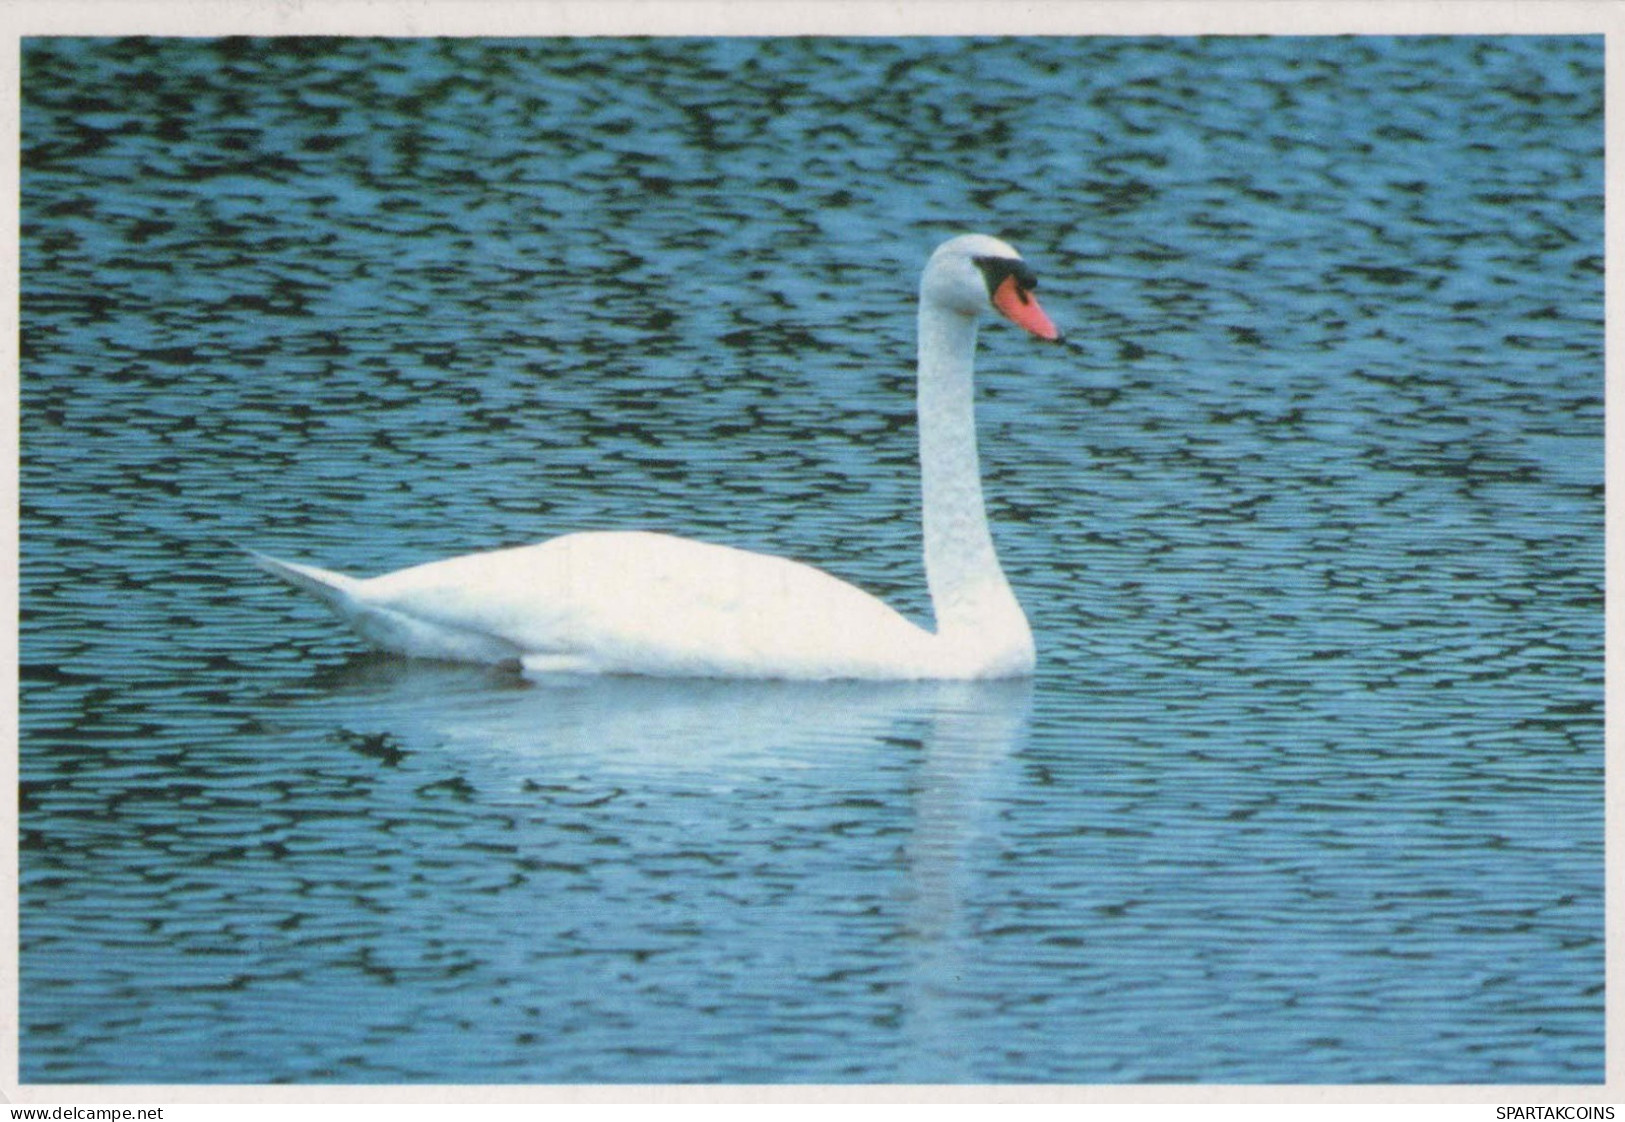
(651, 603)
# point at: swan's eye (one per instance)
(996, 270)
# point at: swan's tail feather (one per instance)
(333, 589)
(391, 627)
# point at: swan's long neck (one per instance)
(969, 592)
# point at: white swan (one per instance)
(646, 603)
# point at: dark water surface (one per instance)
(1309, 524)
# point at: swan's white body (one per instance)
(646, 603)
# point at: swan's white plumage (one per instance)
(647, 603)
(633, 602)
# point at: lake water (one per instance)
(1308, 520)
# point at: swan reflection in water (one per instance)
(926, 756)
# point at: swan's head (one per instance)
(968, 274)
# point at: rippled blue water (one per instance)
(1308, 787)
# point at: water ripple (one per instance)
(1309, 526)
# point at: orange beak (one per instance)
(1021, 307)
